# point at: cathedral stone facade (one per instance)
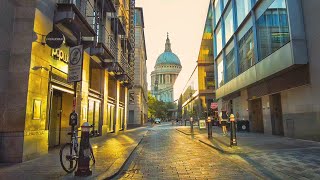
(167, 69)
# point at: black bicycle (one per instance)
(69, 153)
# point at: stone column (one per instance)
(14, 74)
(104, 107)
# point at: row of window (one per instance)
(272, 32)
(224, 24)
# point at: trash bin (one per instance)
(243, 126)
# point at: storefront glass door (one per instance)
(94, 116)
(110, 118)
(55, 119)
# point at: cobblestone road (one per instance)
(167, 154)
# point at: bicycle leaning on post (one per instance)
(69, 153)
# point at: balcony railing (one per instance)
(123, 61)
(106, 38)
(108, 5)
(77, 15)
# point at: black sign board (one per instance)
(54, 39)
(73, 120)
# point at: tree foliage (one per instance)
(159, 109)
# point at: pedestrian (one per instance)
(223, 122)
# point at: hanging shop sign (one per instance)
(54, 39)
(75, 64)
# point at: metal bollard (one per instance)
(191, 124)
(209, 128)
(233, 133)
(84, 153)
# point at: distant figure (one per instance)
(223, 122)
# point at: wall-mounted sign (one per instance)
(60, 55)
(75, 64)
(36, 112)
(54, 39)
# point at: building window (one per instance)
(209, 80)
(220, 72)
(273, 29)
(243, 8)
(219, 39)
(246, 51)
(217, 11)
(231, 68)
(228, 24)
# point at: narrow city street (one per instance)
(166, 153)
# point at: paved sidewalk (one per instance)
(110, 151)
(296, 158)
(247, 142)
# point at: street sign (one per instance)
(214, 105)
(75, 64)
(54, 39)
(202, 124)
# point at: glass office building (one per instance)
(265, 64)
(198, 93)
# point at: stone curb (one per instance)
(107, 175)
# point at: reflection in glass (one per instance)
(220, 73)
(243, 8)
(225, 3)
(246, 51)
(217, 10)
(273, 29)
(229, 25)
(219, 40)
(231, 68)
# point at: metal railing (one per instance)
(123, 62)
(86, 8)
(107, 39)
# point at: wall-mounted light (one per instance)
(39, 67)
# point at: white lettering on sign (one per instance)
(60, 55)
(75, 64)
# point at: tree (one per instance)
(159, 109)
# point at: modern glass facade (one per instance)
(259, 32)
(273, 29)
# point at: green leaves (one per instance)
(159, 109)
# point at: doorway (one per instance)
(276, 115)
(111, 112)
(131, 117)
(121, 118)
(94, 116)
(55, 119)
(255, 116)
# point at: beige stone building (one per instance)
(138, 95)
(35, 97)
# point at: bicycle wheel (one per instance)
(92, 159)
(68, 158)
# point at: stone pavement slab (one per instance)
(110, 151)
(167, 154)
(247, 142)
(295, 158)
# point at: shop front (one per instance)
(60, 98)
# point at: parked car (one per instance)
(157, 121)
